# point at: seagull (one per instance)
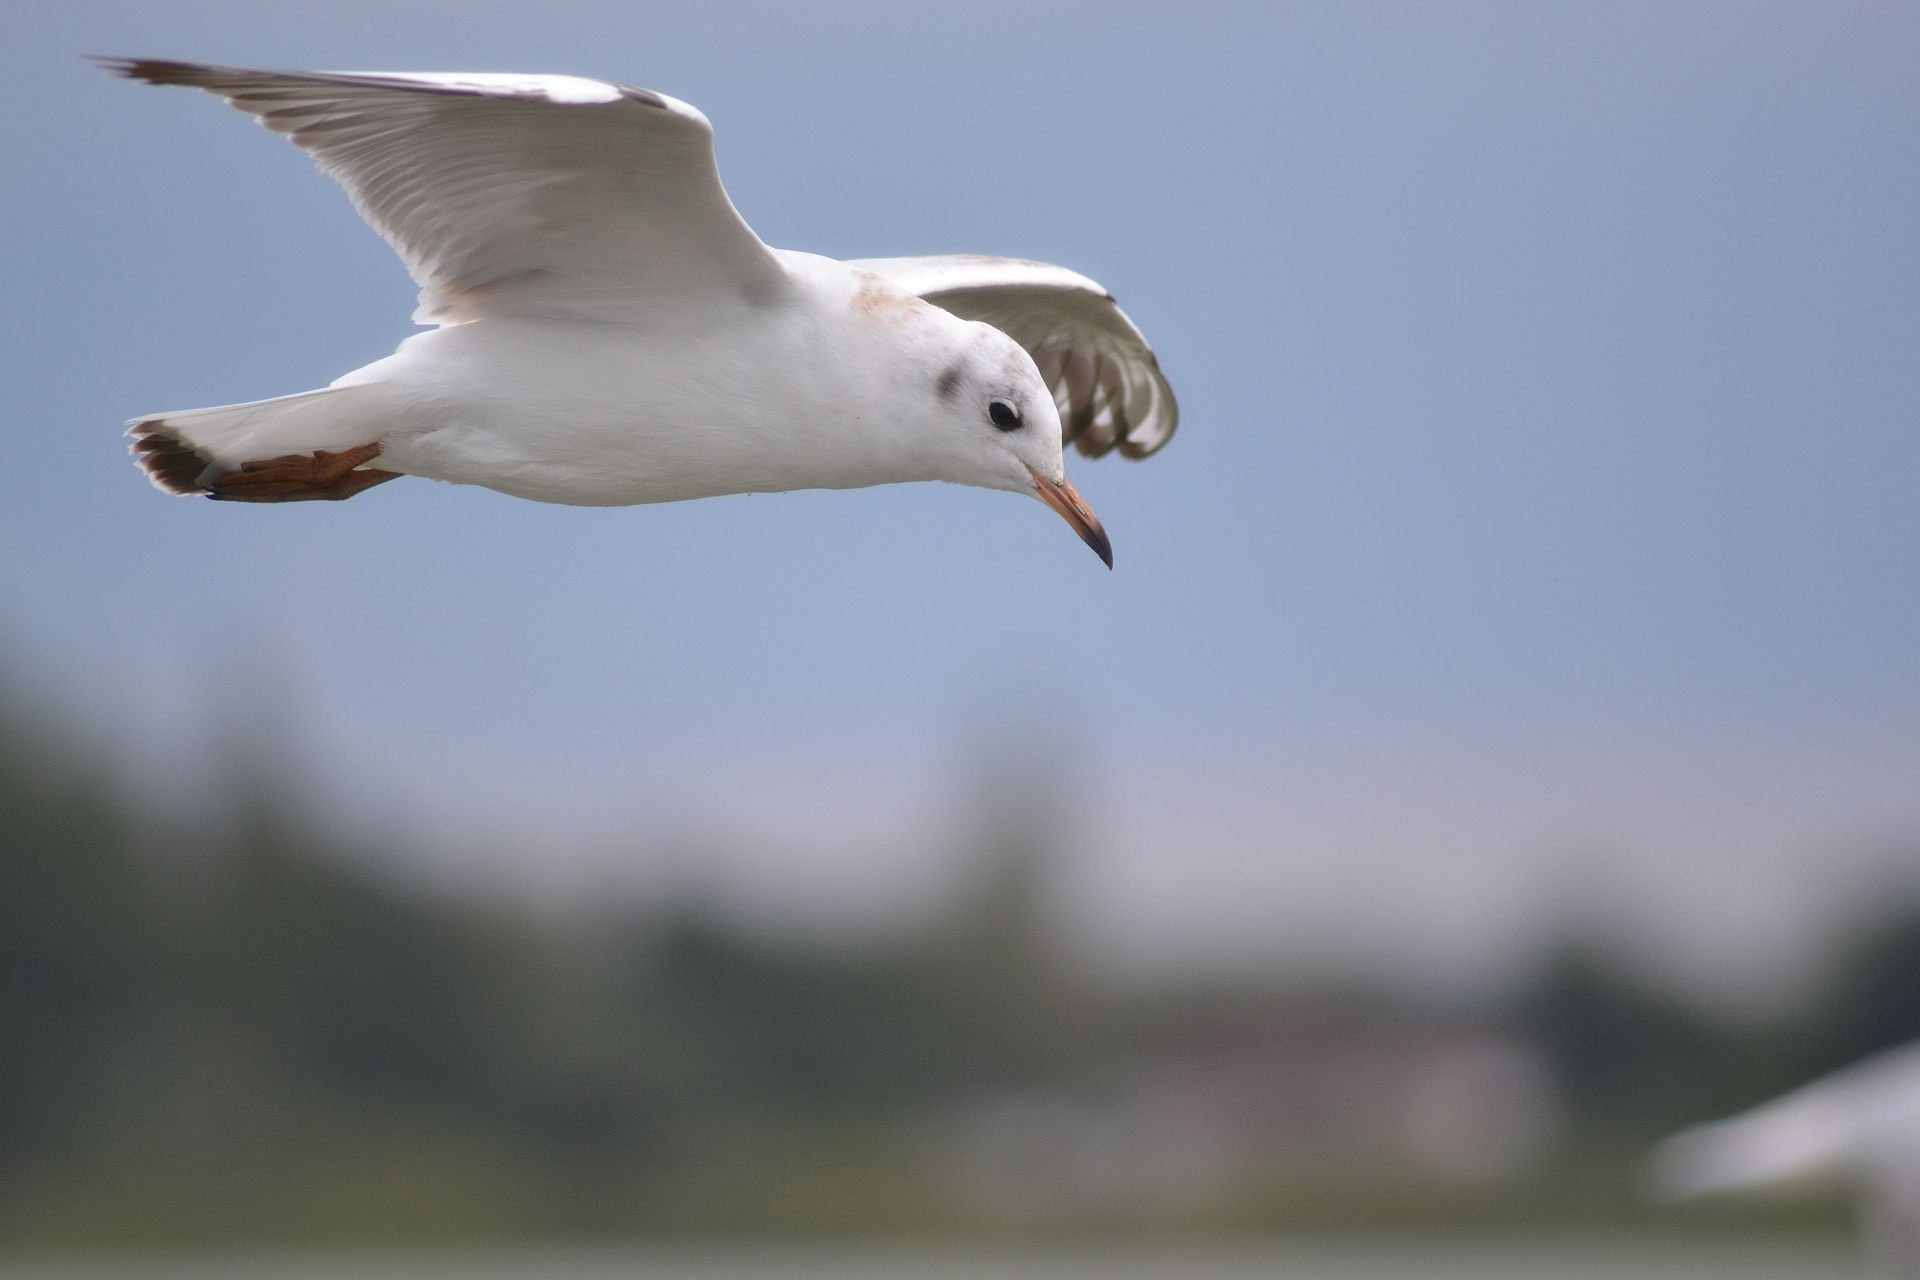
(1858, 1129)
(608, 330)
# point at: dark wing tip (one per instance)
(1135, 448)
(154, 70)
(169, 462)
(646, 97)
(1097, 419)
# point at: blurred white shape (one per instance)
(1857, 1129)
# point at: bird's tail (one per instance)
(187, 450)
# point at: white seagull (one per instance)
(1857, 1129)
(610, 331)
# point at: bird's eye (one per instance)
(1004, 415)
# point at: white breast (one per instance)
(733, 400)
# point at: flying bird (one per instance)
(608, 330)
(1857, 1130)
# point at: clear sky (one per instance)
(1542, 525)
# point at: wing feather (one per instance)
(1105, 378)
(522, 195)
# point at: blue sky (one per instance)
(1544, 494)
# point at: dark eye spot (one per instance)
(1004, 415)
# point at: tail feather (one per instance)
(173, 465)
(185, 450)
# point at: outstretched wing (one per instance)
(1104, 376)
(513, 195)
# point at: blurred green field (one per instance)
(246, 1035)
(1439, 1258)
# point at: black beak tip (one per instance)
(1097, 539)
(1060, 495)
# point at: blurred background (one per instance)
(1497, 745)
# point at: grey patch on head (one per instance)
(948, 384)
(645, 97)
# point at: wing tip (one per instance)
(1101, 424)
(645, 97)
(151, 70)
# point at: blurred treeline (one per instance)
(240, 1031)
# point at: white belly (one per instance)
(591, 414)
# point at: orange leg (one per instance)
(301, 477)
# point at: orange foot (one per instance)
(301, 477)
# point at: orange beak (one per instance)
(1075, 511)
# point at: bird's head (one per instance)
(996, 421)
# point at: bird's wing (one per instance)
(1104, 376)
(509, 194)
